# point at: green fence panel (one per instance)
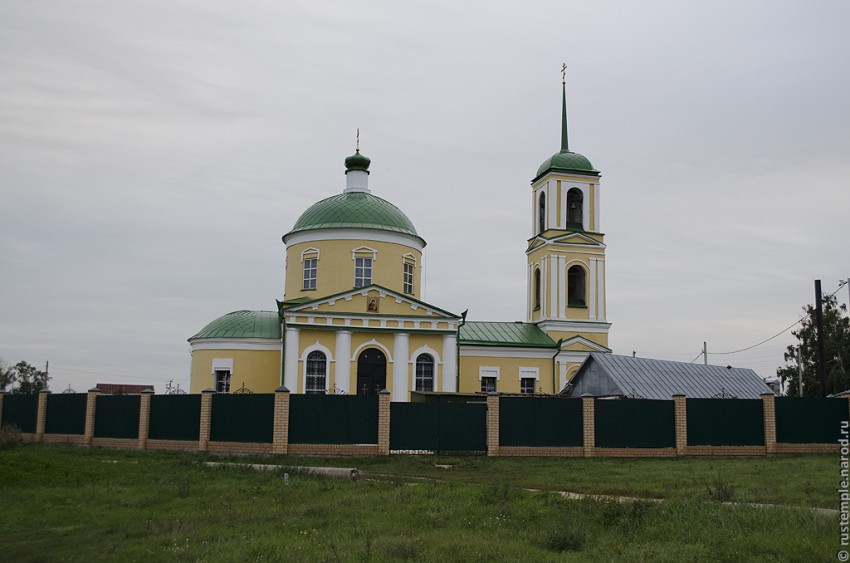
(333, 419)
(117, 416)
(725, 422)
(66, 414)
(20, 411)
(175, 417)
(540, 422)
(242, 418)
(438, 426)
(809, 420)
(635, 423)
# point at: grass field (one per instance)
(79, 504)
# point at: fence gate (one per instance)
(456, 427)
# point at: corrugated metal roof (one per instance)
(661, 379)
(243, 324)
(504, 334)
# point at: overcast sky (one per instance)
(153, 153)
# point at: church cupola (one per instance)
(357, 171)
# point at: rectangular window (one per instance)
(222, 381)
(310, 270)
(526, 385)
(362, 272)
(408, 278)
(488, 384)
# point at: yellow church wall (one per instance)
(259, 370)
(311, 338)
(335, 267)
(509, 378)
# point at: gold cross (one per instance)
(358, 139)
(564, 73)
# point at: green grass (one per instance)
(79, 504)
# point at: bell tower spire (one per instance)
(565, 144)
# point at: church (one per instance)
(352, 320)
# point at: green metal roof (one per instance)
(359, 210)
(566, 161)
(243, 324)
(505, 334)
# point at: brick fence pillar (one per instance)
(384, 422)
(41, 415)
(769, 412)
(145, 418)
(280, 437)
(206, 419)
(91, 407)
(680, 408)
(588, 410)
(493, 424)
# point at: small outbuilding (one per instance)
(609, 375)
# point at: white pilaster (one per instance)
(562, 287)
(591, 302)
(530, 294)
(449, 363)
(601, 282)
(290, 363)
(544, 281)
(343, 360)
(552, 203)
(585, 206)
(553, 287)
(401, 366)
(597, 213)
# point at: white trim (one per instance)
(597, 208)
(222, 364)
(585, 206)
(544, 286)
(408, 256)
(364, 250)
(236, 344)
(601, 281)
(467, 351)
(425, 350)
(309, 251)
(489, 371)
(584, 341)
(328, 359)
(562, 287)
(449, 379)
(342, 375)
(591, 285)
(372, 344)
(354, 234)
(431, 310)
(574, 326)
(290, 365)
(529, 372)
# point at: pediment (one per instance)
(372, 300)
(582, 344)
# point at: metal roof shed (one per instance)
(609, 375)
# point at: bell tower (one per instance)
(566, 252)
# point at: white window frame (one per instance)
(529, 373)
(489, 371)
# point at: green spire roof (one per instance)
(242, 324)
(565, 160)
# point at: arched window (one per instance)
(541, 214)
(317, 367)
(537, 289)
(575, 286)
(575, 206)
(424, 372)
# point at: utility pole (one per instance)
(704, 353)
(819, 327)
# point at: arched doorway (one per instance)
(371, 371)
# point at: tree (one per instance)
(7, 376)
(29, 379)
(836, 335)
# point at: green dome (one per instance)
(242, 324)
(354, 210)
(357, 162)
(566, 161)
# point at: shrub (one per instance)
(10, 437)
(720, 490)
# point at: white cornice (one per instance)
(505, 352)
(574, 326)
(355, 234)
(236, 344)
